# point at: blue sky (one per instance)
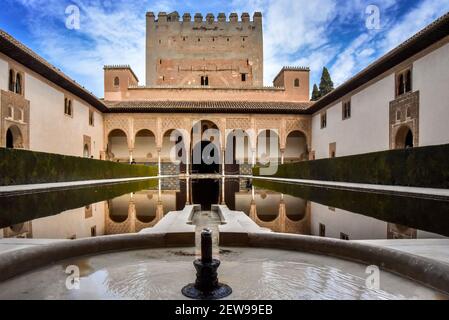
(330, 33)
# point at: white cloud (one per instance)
(296, 32)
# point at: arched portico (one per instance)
(145, 147)
(118, 147)
(296, 148)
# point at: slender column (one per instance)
(159, 161)
(282, 156)
(188, 156)
(130, 155)
(253, 157)
(223, 191)
(188, 191)
(223, 162)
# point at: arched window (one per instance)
(408, 81)
(19, 115)
(297, 83)
(10, 112)
(11, 80)
(409, 113)
(116, 81)
(18, 84)
(398, 116)
(204, 80)
(401, 85)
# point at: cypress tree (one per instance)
(315, 93)
(326, 84)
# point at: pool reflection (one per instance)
(134, 211)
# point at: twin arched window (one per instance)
(116, 81)
(404, 82)
(15, 83)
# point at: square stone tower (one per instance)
(204, 52)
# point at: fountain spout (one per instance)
(206, 286)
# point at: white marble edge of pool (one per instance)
(361, 186)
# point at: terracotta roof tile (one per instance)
(208, 106)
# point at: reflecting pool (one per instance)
(279, 207)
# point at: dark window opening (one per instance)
(19, 84)
(204, 80)
(322, 230)
(243, 77)
(346, 110)
(409, 140)
(11, 80)
(408, 81)
(116, 81)
(344, 236)
(93, 231)
(297, 83)
(401, 85)
(323, 120)
(404, 82)
(9, 139)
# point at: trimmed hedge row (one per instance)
(419, 167)
(29, 167)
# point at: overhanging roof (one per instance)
(433, 33)
(208, 106)
(25, 56)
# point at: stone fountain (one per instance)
(207, 286)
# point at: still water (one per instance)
(287, 208)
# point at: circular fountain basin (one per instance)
(253, 273)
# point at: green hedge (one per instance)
(420, 167)
(29, 167)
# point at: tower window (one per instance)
(297, 83)
(204, 80)
(116, 81)
(244, 77)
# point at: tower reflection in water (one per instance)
(133, 212)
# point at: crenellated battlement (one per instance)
(210, 18)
